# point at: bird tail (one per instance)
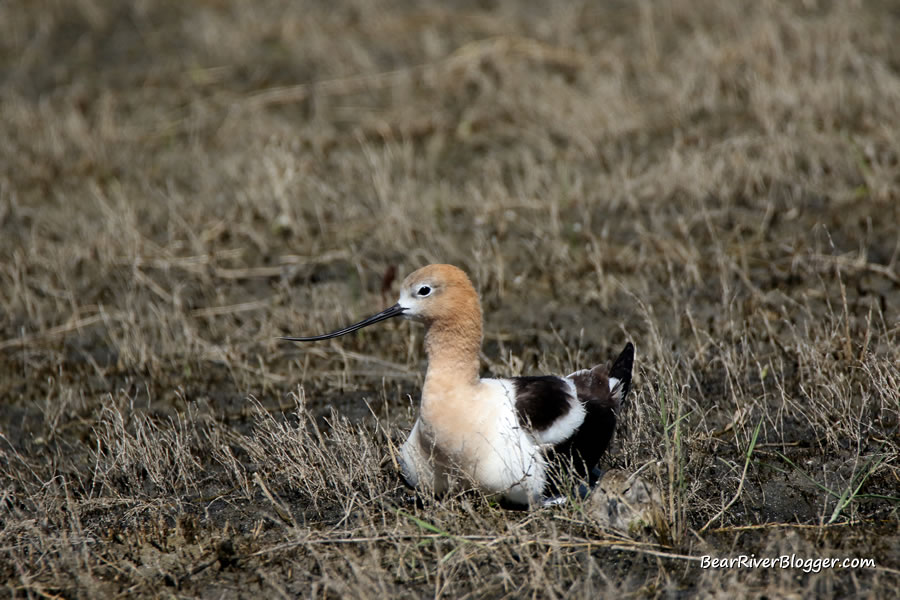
(620, 374)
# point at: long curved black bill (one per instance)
(394, 311)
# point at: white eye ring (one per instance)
(423, 291)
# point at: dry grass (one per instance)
(182, 183)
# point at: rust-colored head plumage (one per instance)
(439, 293)
(440, 296)
(444, 299)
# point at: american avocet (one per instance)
(500, 435)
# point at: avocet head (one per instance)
(438, 292)
(430, 294)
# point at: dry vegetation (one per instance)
(180, 183)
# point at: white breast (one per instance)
(510, 462)
(482, 444)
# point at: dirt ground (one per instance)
(183, 182)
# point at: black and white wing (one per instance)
(548, 407)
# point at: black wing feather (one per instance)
(584, 449)
(541, 401)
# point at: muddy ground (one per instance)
(182, 183)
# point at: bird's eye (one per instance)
(424, 290)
